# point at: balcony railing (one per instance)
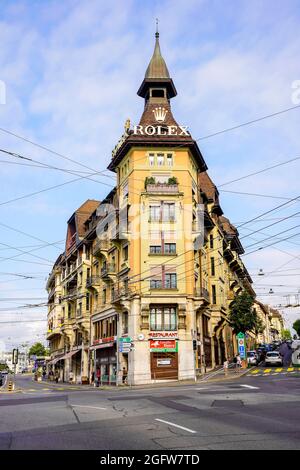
(159, 218)
(202, 293)
(162, 188)
(109, 268)
(118, 293)
(101, 245)
(92, 281)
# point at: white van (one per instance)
(296, 353)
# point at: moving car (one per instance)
(252, 358)
(273, 358)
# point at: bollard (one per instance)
(11, 386)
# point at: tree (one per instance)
(296, 326)
(37, 349)
(286, 334)
(242, 316)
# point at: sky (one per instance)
(69, 73)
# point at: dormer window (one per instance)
(157, 92)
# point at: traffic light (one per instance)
(194, 345)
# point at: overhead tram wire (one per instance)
(182, 145)
(271, 244)
(29, 252)
(201, 138)
(22, 252)
(272, 236)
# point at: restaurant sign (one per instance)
(163, 346)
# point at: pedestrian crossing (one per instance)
(270, 371)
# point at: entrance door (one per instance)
(164, 365)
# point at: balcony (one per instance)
(201, 292)
(51, 294)
(118, 294)
(101, 247)
(108, 269)
(92, 281)
(162, 188)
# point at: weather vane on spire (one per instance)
(157, 33)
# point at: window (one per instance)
(170, 281)
(168, 212)
(151, 159)
(155, 249)
(212, 266)
(125, 253)
(214, 294)
(155, 284)
(79, 311)
(104, 296)
(169, 159)
(154, 213)
(163, 319)
(163, 277)
(88, 301)
(211, 241)
(170, 248)
(160, 159)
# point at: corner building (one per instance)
(161, 264)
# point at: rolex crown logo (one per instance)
(160, 114)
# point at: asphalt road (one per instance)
(250, 412)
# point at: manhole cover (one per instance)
(228, 403)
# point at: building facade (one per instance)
(143, 290)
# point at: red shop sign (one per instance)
(162, 344)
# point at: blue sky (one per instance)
(71, 71)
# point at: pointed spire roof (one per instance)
(157, 67)
(157, 74)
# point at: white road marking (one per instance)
(249, 386)
(84, 406)
(176, 426)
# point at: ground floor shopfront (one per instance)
(70, 367)
(105, 361)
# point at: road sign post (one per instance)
(241, 342)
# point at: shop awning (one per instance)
(55, 360)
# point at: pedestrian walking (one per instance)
(98, 376)
(226, 366)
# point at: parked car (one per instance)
(252, 358)
(4, 371)
(1, 379)
(273, 358)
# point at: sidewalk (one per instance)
(212, 376)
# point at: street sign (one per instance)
(125, 346)
(241, 345)
(125, 340)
